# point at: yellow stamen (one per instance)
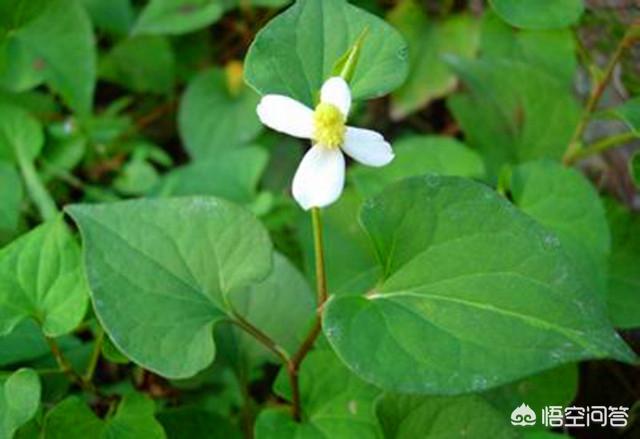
(329, 125)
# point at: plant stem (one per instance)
(292, 364)
(602, 145)
(321, 278)
(95, 355)
(66, 368)
(260, 336)
(322, 294)
(596, 93)
(37, 191)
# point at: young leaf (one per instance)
(429, 77)
(19, 400)
(297, 51)
(469, 280)
(55, 44)
(539, 14)
(435, 417)
(624, 276)
(178, 16)
(335, 403)
(563, 200)
(419, 155)
(41, 277)
(513, 112)
(212, 118)
(160, 270)
(72, 419)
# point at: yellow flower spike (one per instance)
(329, 125)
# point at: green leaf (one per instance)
(114, 16)
(144, 64)
(563, 200)
(419, 155)
(10, 200)
(539, 14)
(20, 134)
(336, 404)
(282, 306)
(233, 175)
(136, 177)
(19, 400)
(72, 419)
(556, 387)
(213, 118)
(25, 342)
(56, 45)
(297, 51)
(191, 422)
(629, 113)
(429, 77)
(513, 112)
(476, 294)
(350, 261)
(41, 278)
(431, 417)
(624, 276)
(552, 51)
(178, 16)
(160, 270)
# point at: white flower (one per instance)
(319, 179)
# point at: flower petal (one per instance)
(286, 115)
(336, 91)
(320, 177)
(367, 147)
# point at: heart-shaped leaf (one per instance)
(419, 155)
(469, 280)
(539, 14)
(41, 277)
(550, 50)
(178, 16)
(19, 400)
(72, 419)
(513, 112)
(160, 270)
(55, 44)
(233, 175)
(429, 77)
(297, 51)
(213, 118)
